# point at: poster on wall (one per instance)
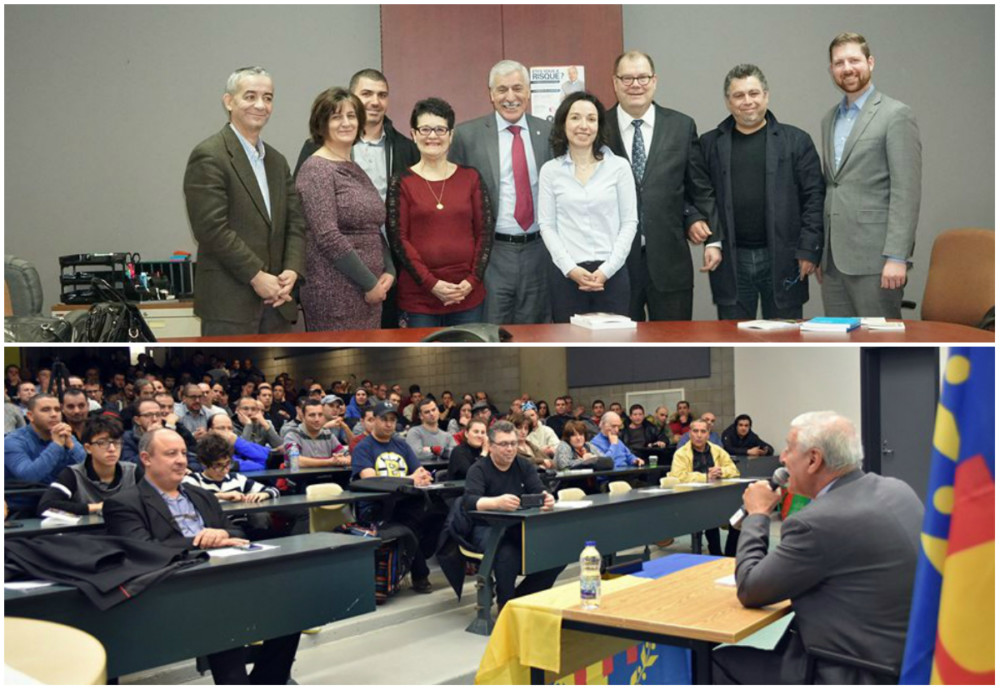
(550, 85)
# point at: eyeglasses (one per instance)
(149, 415)
(427, 131)
(107, 442)
(628, 79)
(789, 283)
(506, 444)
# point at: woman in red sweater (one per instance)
(440, 227)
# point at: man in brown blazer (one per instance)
(246, 218)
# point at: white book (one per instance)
(599, 321)
(768, 325)
(879, 323)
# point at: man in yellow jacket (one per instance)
(701, 461)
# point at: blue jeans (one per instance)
(409, 319)
(753, 279)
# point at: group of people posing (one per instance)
(512, 219)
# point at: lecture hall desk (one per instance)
(311, 580)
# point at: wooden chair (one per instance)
(619, 487)
(669, 482)
(572, 494)
(326, 518)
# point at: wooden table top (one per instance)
(686, 604)
(648, 332)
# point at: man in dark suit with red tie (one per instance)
(508, 147)
(676, 201)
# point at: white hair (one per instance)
(233, 83)
(833, 435)
(505, 67)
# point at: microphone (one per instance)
(778, 480)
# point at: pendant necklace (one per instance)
(437, 197)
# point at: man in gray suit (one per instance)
(846, 560)
(871, 161)
(246, 218)
(508, 148)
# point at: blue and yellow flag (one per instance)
(951, 634)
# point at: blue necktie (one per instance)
(638, 152)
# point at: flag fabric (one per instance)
(951, 633)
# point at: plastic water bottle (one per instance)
(590, 576)
(292, 452)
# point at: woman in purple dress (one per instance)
(348, 264)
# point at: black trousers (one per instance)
(568, 299)
(713, 538)
(272, 667)
(675, 305)
(507, 566)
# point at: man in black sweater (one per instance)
(499, 485)
(769, 187)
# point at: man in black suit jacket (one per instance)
(161, 509)
(675, 193)
(382, 152)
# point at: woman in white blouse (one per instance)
(587, 212)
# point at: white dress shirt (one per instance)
(595, 221)
(627, 130)
(506, 225)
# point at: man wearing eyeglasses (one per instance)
(163, 509)
(81, 489)
(676, 201)
(769, 186)
(508, 147)
(191, 411)
(611, 445)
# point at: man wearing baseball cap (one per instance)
(383, 454)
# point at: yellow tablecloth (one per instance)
(528, 633)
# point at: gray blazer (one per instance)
(477, 145)
(873, 198)
(847, 561)
(234, 234)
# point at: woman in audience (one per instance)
(543, 411)
(348, 266)
(739, 439)
(574, 451)
(459, 425)
(81, 489)
(440, 225)
(587, 213)
(525, 447)
(465, 455)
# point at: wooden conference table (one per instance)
(552, 538)
(684, 609)
(310, 580)
(647, 332)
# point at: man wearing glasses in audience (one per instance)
(191, 411)
(769, 185)
(676, 201)
(81, 489)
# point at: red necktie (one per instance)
(524, 206)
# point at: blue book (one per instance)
(840, 324)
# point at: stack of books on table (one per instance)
(831, 324)
(599, 321)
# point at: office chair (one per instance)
(960, 281)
